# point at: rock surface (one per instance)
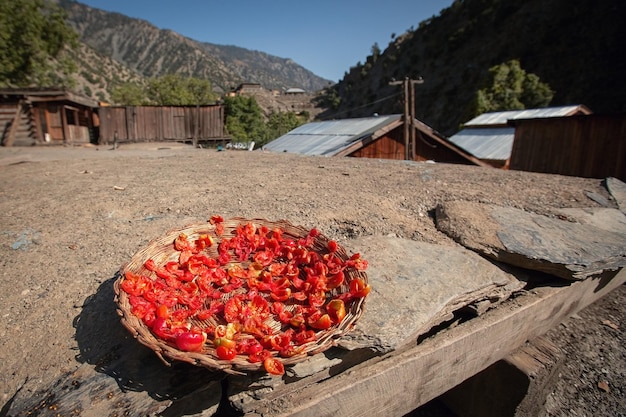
(532, 241)
(617, 189)
(417, 286)
(611, 220)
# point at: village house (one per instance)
(489, 136)
(46, 116)
(382, 137)
(590, 146)
(566, 140)
(294, 91)
(246, 89)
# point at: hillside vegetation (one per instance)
(147, 51)
(576, 47)
(573, 47)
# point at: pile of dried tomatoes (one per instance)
(269, 294)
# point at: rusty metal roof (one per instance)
(329, 137)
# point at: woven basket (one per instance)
(162, 250)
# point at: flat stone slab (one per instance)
(617, 189)
(416, 286)
(559, 247)
(608, 219)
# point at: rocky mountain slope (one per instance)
(98, 73)
(147, 51)
(575, 47)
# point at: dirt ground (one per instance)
(71, 216)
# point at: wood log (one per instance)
(516, 386)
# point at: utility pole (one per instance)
(408, 86)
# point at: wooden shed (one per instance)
(162, 123)
(247, 88)
(428, 145)
(489, 137)
(46, 116)
(592, 146)
(371, 137)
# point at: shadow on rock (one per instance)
(106, 344)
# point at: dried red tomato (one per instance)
(300, 282)
(226, 353)
(336, 310)
(234, 309)
(134, 284)
(359, 288)
(319, 321)
(181, 243)
(191, 341)
(274, 366)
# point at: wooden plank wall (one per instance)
(164, 123)
(391, 146)
(592, 146)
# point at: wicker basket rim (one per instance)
(162, 245)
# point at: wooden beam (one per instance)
(428, 131)
(407, 120)
(397, 384)
(66, 130)
(8, 141)
(515, 386)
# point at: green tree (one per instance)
(244, 119)
(129, 94)
(280, 123)
(176, 90)
(201, 91)
(536, 94)
(375, 52)
(509, 87)
(33, 37)
(329, 97)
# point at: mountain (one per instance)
(148, 51)
(98, 73)
(576, 46)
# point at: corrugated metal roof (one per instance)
(501, 118)
(489, 143)
(329, 137)
(294, 90)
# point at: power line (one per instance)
(362, 106)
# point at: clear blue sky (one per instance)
(326, 37)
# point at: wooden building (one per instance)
(489, 137)
(383, 137)
(162, 123)
(246, 89)
(592, 146)
(46, 116)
